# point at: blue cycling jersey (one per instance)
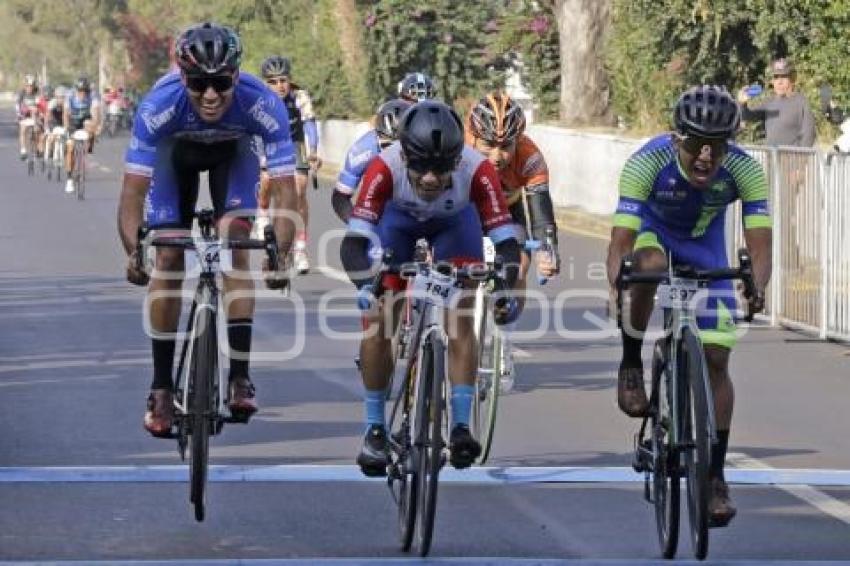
(80, 109)
(167, 113)
(358, 157)
(654, 192)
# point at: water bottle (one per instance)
(754, 90)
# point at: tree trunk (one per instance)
(582, 25)
(351, 43)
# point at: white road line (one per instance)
(517, 475)
(490, 560)
(520, 353)
(800, 489)
(58, 380)
(65, 364)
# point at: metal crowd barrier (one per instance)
(810, 287)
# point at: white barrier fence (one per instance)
(809, 197)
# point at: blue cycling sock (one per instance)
(461, 403)
(375, 401)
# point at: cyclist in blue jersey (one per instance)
(366, 147)
(82, 112)
(204, 118)
(277, 72)
(674, 192)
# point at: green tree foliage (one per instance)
(529, 30)
(658, 47)
(444, 38)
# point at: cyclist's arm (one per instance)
(130, 209)
(284, 203)
(311, 131)
(341, 204)
(489, 198)
(371, 201)
(758, 225)
(760, 245)
(635, 184)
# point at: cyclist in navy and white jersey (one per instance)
(426, 185)
(204, 118)
(81, 112)
(363, 151)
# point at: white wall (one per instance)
(584, 167)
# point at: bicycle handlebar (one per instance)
(744, 272)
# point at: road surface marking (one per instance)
(792, 478)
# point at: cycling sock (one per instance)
(718, 454)
(375, 401)
(631, 351)
(163, 363)
(461, 403)
(239, 338)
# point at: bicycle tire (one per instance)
(430, 434)
(200, 402)
(79, 171)
(665, 465)
(697, 435)
(486, 401)
(408, 482)
(31, 152)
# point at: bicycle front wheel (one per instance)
(696, 427)
(408, 480)
(203, 368)
(486, 401)
(430, 432)
(665, 461)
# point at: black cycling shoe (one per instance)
(463, 446)
(374, 458)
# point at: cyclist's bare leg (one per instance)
(463, 349)
(90, 127)
(376, 362)
(239, 282)
(303, 212)
(631, 394)
(721, 508)
(69, 156)
(22, 136)
(717, 358)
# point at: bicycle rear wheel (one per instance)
(430, 421)
(665, 463)
(486, 401)
(697, 435)
(203, 368)
(31, 150)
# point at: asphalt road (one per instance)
(80, 480)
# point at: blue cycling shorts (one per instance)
(456, 238)
(234, 180)
(716, 316)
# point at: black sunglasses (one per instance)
(219, 83)
(694, 144)
(438, 166)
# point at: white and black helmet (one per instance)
(707, 111)
(388, 117)
(416, 87)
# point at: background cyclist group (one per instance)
(421, 172)
(53, 114)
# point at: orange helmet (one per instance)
(496, 118)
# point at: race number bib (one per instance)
(489, 250)
(436, 288)
(677, 294)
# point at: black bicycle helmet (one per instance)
(83, 83)
(416, 87)
(431, 136)
(208, 49)
(707, 111)
(276, 66)
(388, 116)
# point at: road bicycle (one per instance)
(200, 395)
(676, 435)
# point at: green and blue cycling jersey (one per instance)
(688, 223)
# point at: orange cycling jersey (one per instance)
(528, 168)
